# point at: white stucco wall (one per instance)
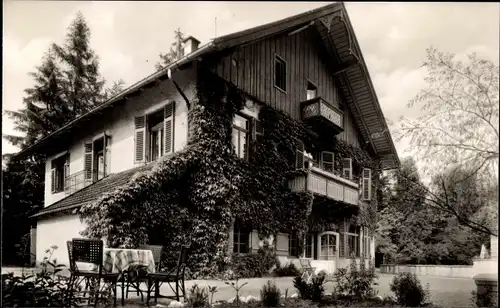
(56, 231)
(121, 128)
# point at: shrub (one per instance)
(289, 270)
(45, 289)
(356, 282)
(270, 294)
(408, 290)
(253, 265)
(310, 291)
(198, 297)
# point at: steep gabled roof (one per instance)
(336, 30)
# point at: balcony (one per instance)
(79, 180)
(321, 115)
(326, 184)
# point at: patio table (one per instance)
(118, 260)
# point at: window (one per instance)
(156, 135)
(241, 136)
(353, 239)
(328, 248)
(96, 159)
(293, 244)
(59, 173)
(241, 239)
(280, 73)
(366, 243)
(312, 91)
(309, 246)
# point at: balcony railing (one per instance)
(81, 179)
(317, 111)
(327, 184)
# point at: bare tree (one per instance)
(459, 125)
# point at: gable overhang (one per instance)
(352, 73)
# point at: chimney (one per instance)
(190, 45)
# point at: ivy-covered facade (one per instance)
(272, 154)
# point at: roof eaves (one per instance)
(133, 88)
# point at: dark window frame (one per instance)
(240, 234)
(280, 73)
(246, 131)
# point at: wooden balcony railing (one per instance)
(80, 180)
(327, 184)
(317, 111)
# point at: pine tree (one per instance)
(176, 51)
(83, 85)
(67, 84)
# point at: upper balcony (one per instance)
(327, 184)
(322, 115)
(79, 180)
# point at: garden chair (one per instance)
(174, 275)
(91, 252)
(308, 272)
(138, 275)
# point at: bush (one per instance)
(197, 297)
(289, 303)
(313, 291)
(254, 265)
(45, 289)
(270, 294)
(408, 290)
(289, 270)
(356, 282)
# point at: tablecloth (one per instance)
(117, 260)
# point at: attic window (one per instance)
(280, 73)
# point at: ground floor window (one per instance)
(309, 246)
(328, 246)
(293, 244)
(241, 239)
(353, 239)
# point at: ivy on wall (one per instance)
(195, 194)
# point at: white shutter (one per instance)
(88, 160)
(347, 168)
(140, 139)
(66, 173)
(53, 180)
(169, 112)
(299, 155)
(107, 155)
(327, 161)
(367, 184)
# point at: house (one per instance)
(309, 66)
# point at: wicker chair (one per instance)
(89, 251)
(174, 275)
(308, 271)
(138, 275)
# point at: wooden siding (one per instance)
(251, 68)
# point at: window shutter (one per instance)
(342, 239)
(367, 184)
(327, 161)
(53, 180)
(347, 168)
(299, 155)
(107, 155)
(168, 123)
(259, 129)
(66, 173)
(140, 138)
(88, 153)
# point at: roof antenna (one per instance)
(215, 35)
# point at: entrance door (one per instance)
(328, 249)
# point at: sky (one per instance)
(129, 36)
